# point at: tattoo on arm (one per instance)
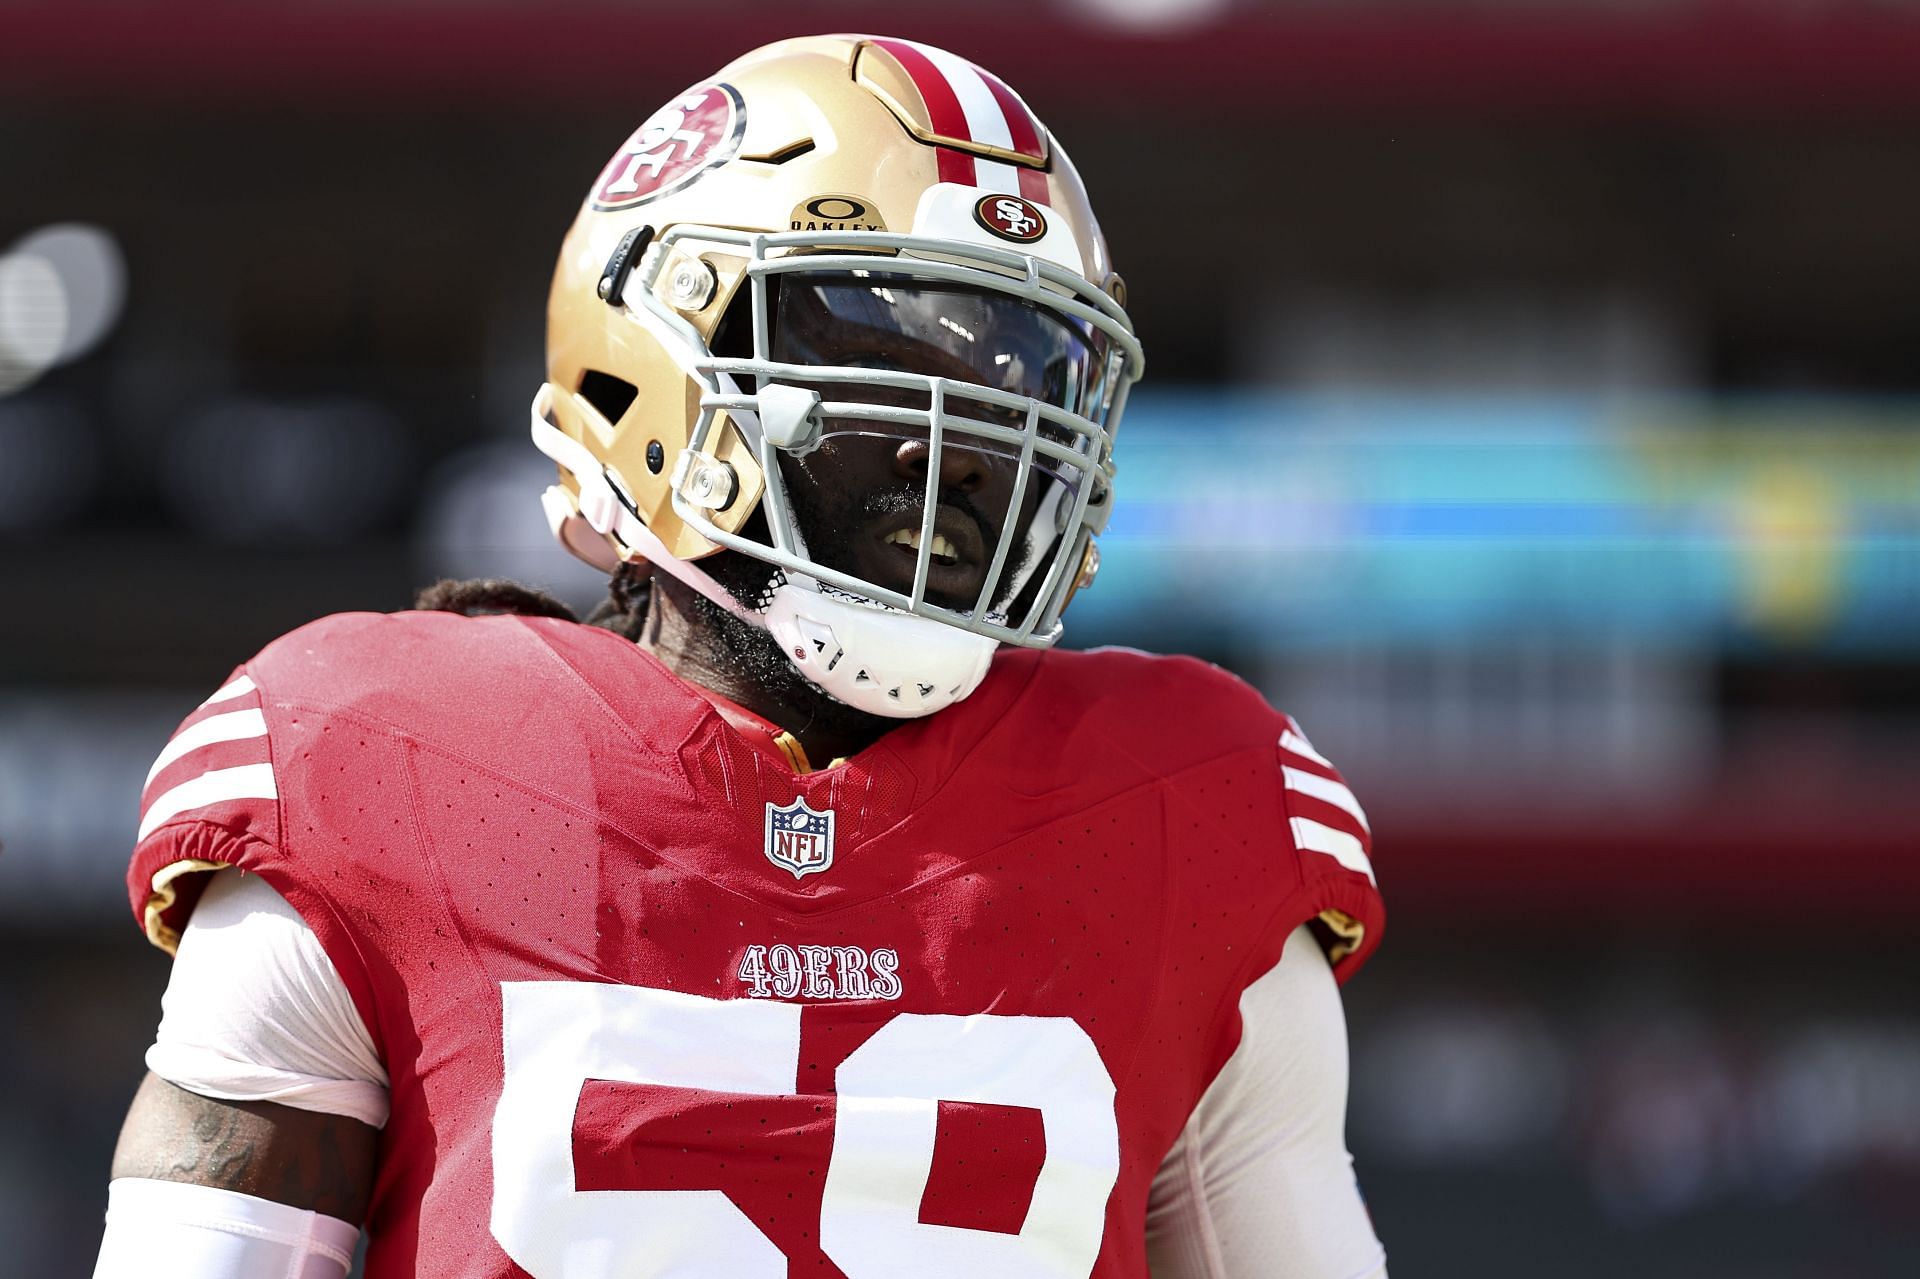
(323, 1163)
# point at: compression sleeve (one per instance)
(178, 1228)
(255, 1011)
(1260, 1181)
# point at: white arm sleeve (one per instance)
(255, 1011)
(1260, 1181)
(210, 1233)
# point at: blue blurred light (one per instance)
(1289, 521)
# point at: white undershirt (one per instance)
(255, 1011)
(1259, 1183)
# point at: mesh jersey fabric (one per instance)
(1259, 1181)
(518, 840)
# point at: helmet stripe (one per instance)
(955, 166)
(1021, 126)
(1033, 185)
(991, 123)
(986, 121)
(944, 112)
(966, 104)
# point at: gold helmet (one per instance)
(843, 238)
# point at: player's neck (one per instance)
(705, 645)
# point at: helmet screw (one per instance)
(711, 483)
(692, 285)
(656, 456)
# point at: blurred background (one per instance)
(1533, 410)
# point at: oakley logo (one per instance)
(1010, 217)
(836, 213)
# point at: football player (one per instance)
(807, 911)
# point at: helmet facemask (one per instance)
(933, 425)
(965, 524)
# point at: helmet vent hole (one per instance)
(608, 394)
(791, 151)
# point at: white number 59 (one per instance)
(557, 1035)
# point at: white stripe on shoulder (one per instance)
(1318, 837)
(234, 726)
(248, 781)
(233, 688)
(1299, 745)
(1326, 790)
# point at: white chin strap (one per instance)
(874, 658)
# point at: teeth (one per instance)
(910, 537)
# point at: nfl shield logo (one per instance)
(798, 838)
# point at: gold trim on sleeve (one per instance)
(165, 892)
(1347, 931)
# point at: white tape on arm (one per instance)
(177, 1228)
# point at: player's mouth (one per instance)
(956, 563)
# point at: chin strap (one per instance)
(874, 658)
(604, 511)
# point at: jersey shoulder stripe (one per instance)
(229, 726)
(1317, 837)
(205, 790)
(217, 758)
(1323, 814)
(1328, 790)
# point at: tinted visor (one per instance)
(895, 323)
(1000, 535)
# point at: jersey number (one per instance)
(560, 1034)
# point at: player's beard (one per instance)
(749, 652)
(754, 657)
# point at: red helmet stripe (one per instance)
(944, 111)
(955, 166)
(1033, 184)
(1021, 126)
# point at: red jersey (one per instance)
(653, 1004)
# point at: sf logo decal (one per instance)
(676, 145)
(1010, 217)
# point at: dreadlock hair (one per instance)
(623, 612)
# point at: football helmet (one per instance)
(834, 243)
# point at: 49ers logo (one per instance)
(682, 140)
(1010, 217)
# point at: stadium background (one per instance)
(1534, 410)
